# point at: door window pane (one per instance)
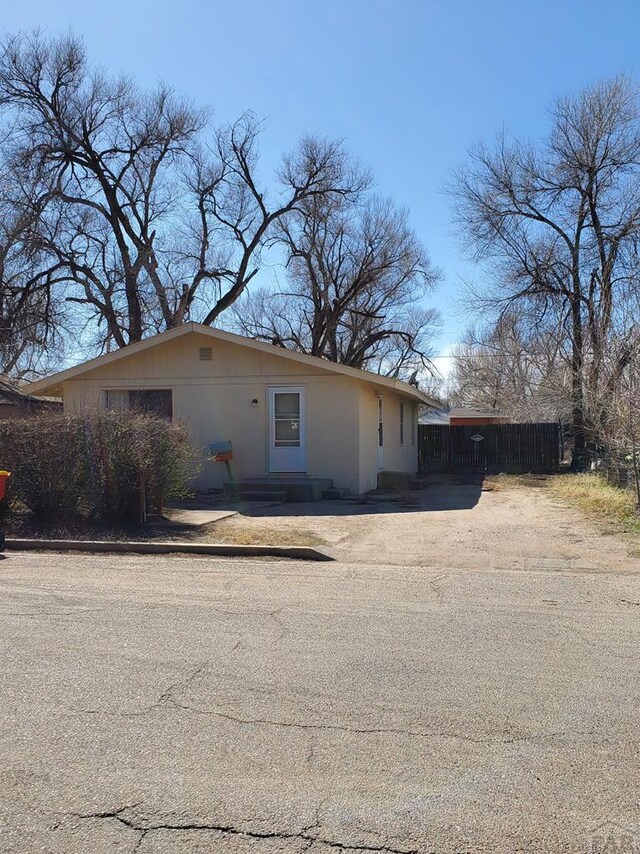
(287, 433)
(287, 404)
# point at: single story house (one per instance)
(15, 403)
(287, 414)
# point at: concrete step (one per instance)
(262, 495)
(294, 488)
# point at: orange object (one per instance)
(4, 476)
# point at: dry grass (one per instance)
(497, 482)
(240, 533)
(593, 494)
(589, 492)
(235, 530)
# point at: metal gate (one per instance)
(489, 448)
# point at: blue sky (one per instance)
(408, 84)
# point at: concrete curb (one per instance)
(219, 549)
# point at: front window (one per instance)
(149, 401)
(402, 423)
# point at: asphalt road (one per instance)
(172, 704)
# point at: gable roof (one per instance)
(13, 395)
(48, 385)
(10, 395)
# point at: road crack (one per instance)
(414, 733)
(168, 699)
(308, 835)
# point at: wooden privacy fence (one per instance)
(489, 448)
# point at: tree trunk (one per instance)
(579, 459)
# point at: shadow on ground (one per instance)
(211, 518)
(443, 494)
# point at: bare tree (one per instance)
(357, 276)
(149, 222)
(29, 317)
(107, 150)
(234, 209)
(515, 367)
(560, 223)
(615, 412)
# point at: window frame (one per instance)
(129, 390)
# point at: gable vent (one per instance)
(205, 354)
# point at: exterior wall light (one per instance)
(254, 402)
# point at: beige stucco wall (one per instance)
(368, 438)
(396, 457)
(399, 457)
(214, 400)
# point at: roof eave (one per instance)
(53, 384)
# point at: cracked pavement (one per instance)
(158, 704)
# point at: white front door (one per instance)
(380, 436)
(287, 429)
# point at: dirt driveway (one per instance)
(503, 524)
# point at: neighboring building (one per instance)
(464, 416)
(14, 403)
(435, 416)
(468, 417)
(285, 413)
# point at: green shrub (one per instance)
(125, 451)
(44, 456)
(98, 462)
